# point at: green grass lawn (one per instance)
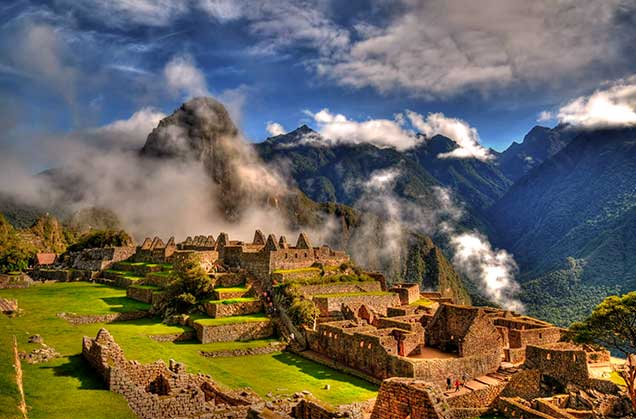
(248, 318)
(231, 289)
(423, 302)
(68, 388)
(233, 300)
(354, 294)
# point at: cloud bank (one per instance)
(492, 270)
(400, 133)
(610, 107)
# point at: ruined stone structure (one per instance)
(98, 259)
(156, 390)
(261, 257)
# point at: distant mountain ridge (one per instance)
(538, 145)
(573, 219)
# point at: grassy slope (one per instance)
(66, 387)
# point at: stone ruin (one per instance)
(8, 307)
(260, 257)
(157, 390)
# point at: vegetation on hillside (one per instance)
(612, 324)
(102, 238)
(15, 253)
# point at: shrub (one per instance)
(303, 312)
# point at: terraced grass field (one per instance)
(68, 388)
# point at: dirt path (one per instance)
(18, 378)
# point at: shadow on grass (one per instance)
(77, 367)
(322, 372)
(124, 304)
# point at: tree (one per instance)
(191, 278)
(613, 324)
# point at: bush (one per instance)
(303, 312)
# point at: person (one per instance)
(458, 384)
(464, 379)
(448, 382)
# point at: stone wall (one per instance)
(407, 398)
(564, 362)
(313, 409)
(260, 350)
(467, 331)
(229, 279)
(78, 319)
(140, 293)
(515, 407)
(328, 304)
(234, 309)
(100, 258)
(15, 281)
(63, 275)
(436, 370)
(232, 332)
(364, 348)
(340, 287)
(525, 384)
(409, 293)
(537, 336)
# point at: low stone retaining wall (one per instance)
(158, 279)
(261, 350)
(140, 293)
(174, 337)
(220, 294)
(313, 409)
(15, 281)
(234, 332)
(63, 275)
(293, 275)
(379, 303)
(341, 287)
(78, 319)
(235, 309)
(517, 407)
(140, 270)
(226, 280)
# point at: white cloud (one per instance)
(222, 10)
(464, 135)
(274, 129)
(545, 116)
(184, 78)
(493, 269)
(383, 133)
(613, 106)
(131, 132)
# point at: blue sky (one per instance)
(73, 65)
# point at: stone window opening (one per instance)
(548, 357)
(540, 335)
(159, 386)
